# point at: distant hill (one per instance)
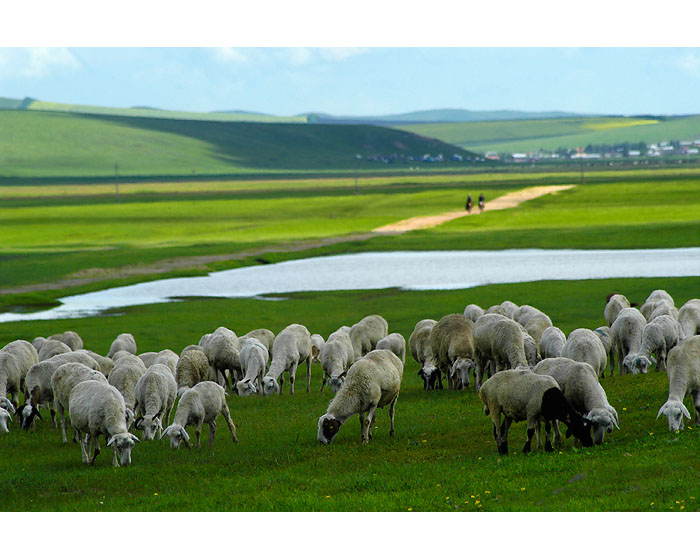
(62, 144)
(439, 116)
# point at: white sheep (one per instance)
(534, 321)
(70, 338)
(155, 394)
(124, 377)
(292, 347)
(5, 415)
(683, 369)
(124, 341)
(498, 344)
(519, 394)
(583, 345)
(148, 358)
(25, 356)
(317, 343)
(658, 337)
(452, 344)
(663, 308)
(579, 383)
(96, 409)
(655, 299)
(168, 358)
(265, 336)
(496, 309)
(605, 335)
(63, 381)
(552, 342)
(366, 333)
(51, 348)
(337, 355)
(222, 350)
(422, 352)
(532, 352)
(192, 367)
(473, 312)
(396, 343)
(11, 378)
(201, 404)
(689, 318)
(106, 364)
(627, 337)
(372, 382)
(510, 308)
(615, 304)
(38, 342)
(253, 358)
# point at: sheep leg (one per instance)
(308, 375)
(83, 451)
(547, 430)
(557, 434)
(538, 434)
(212, 432)
(696, 404)
(61, 415)
(292, 377)
(612, 361)
(392, 406)
(363, 417)
(323, 381)
(439, 378)
(369, 423)
(198, 430)
(229, 422)
(53, 416)
(499, 432)
(530, 432)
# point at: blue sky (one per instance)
(355, 81)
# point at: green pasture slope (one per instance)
(550, 134)
(443, 457)
(36, 144)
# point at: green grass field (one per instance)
(443, 457)
(550, 134)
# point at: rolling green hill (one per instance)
(43, 144)
(550, 134)
(439, 116)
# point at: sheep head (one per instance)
(336, 382)
(177, 435)
(246, 388)
(4, 417)
(149, 425)
(328, 427)
(26, 414)
(122, 445)
(674, 412)
(460, 370)
(637, 363)
(602, 421)
(7, 405)
(270, 385)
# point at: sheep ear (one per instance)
(685, 411)
(36, 411)
(661, 410)
(614, 421)
(653, 359)
(111, 441)
(134, 438)
(185, 434)
(165, 432)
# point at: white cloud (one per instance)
(690, 64)
(36, 62)
(230, 55)
(341, 53)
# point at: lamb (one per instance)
(70, 338)
(37, 385)
(106, 364)
(579, 383)
(155, 394)
(265, 336)
(396, 343)
(124, 377)
(366, 333)
(292, 346)
(63, 380)
(658, 337)
(422, 352)
(498, 344)
(552, 342)
(337, 355)
(583, 345)
(124, 341)
(683, 380)
(627, 338)
(317, 343)
(522, 395)
(97, 408)
(253, 357)
(222, 350)
(689, 318)
(168, 358)
(202, 403)
(452, 343)
(615, 304)
(372, 382)
(192, 367)
(605, 335)
(53, 348)
(473, 312)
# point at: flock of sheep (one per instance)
(534, 373)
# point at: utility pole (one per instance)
(116, 181)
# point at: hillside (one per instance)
(43, 144)
(438, 116)
(550, 134)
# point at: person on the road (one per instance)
(468, 205)
(482, 203)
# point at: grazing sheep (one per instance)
(583, 345)
(532, 353)
(63, 380)
(422, 352)
(4, 417)
(534, 321)
(53, 348)
(168, 358)
(265, 336)
(627, 338)
(97, 408)
(496, 309)
(579, 384)
(292, 346)
(372, 382)
(202, 403)
(317, 343)
(155, 392)
(124, 377)
(37, 385)
(25, 356)
(663, 308)
(337, 355)
(552, 342)
(192, 367)
(254, 358)
(452, 344)
(148, 358)
(366, 333)
(522, 395)
(658, 337)
(396, 343)
(11, 378)
(605, 336)
(124, 341)
(683, 380)
(655, 299)
(106, 364)
(222, 350)
(69, 338)
(473, 312)
(689, 318)
(498, 344)
(38, 342)
(615, 304)
(510, 308)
